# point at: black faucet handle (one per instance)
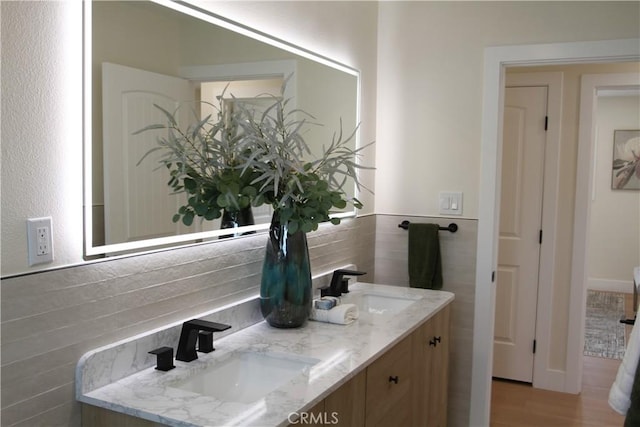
(205, 342)
(327, 292)
(344, 285)
(164, 358)
(339, 283)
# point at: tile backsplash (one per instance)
(458, 252)
(50, 319)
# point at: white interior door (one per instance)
(524, 142)
(138, 203)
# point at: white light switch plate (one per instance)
(450, 203)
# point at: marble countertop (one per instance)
(342, 352)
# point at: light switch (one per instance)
(445, 203)
(451, 203)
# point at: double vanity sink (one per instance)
(245, 376)
(378, 302)
(260, 375)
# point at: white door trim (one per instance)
(496, 58)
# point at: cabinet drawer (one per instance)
(389, 387)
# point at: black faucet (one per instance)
(339, 283)
(187, 345)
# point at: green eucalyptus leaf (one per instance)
(250, 191)
(187, 219)
(150, 127)
(340, 204)
(222, 201)
(293, 227)
(307, 226)
(190, 184)
(201, 209)
(285, 215)
(259, 200)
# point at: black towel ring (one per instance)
(453, 227)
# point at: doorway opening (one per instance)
(496, 59)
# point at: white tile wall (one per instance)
(49, 320)
(458, 271)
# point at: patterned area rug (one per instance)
(604, 334)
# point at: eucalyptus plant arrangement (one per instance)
(203, 161)
(245, 158)
(302, 192)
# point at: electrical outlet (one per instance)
(40, 240)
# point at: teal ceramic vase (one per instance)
(285, 290)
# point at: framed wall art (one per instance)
(626, 160)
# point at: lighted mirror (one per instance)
(141, 53)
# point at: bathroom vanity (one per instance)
(389, 367)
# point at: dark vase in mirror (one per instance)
(285, 290)
(235, 219)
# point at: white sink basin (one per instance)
(246, 376)
(377, 303)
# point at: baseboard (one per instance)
(551, 379)
(624, 286)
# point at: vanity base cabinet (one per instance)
(94, 416)
(405, 386)
(431, 365)
(344, 407)
(408, 385)
(389, 388)
(348, 402)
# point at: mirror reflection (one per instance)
(144, 53)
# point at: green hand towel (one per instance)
(425, 265)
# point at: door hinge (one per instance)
(493, 276)
(546, 122)
(534, 346)
(540, 237)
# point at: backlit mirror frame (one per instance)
(130, 248)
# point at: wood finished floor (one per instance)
(520, 405)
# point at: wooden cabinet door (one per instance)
(389, 388)
(439, 386)
(346, 405)
(431, 364)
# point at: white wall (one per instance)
(614, 240)
(430, 59)
(430, 79)
(41, 127)
(44, 315)
(42, 104)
